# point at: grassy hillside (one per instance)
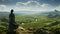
(49, 21)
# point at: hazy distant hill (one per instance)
(55, 13)
(50, 13)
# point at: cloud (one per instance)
(46, 7)
(58, 8)
(34, 6)
(2, 7)
(29, 6)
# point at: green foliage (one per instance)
(30, 22)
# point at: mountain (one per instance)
(53, 14)
(34, 12)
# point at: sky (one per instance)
(29, 5)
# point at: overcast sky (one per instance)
(29, 5)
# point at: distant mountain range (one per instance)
(32, 12)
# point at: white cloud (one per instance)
(46, 7)
(2, 7)
(29, 6)
(58, 8)
(33, 6)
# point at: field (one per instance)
(49, 22)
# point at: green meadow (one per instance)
(51, 22)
